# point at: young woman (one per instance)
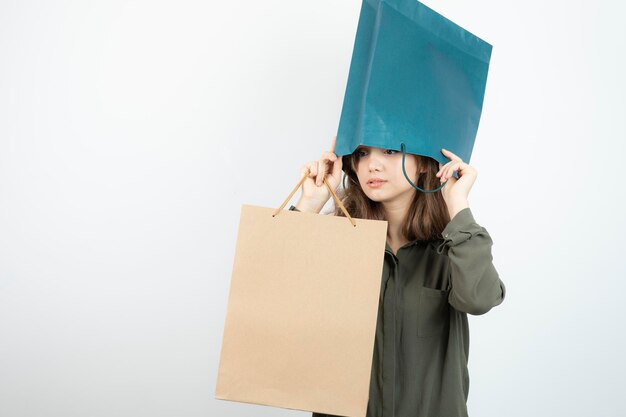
(438, 268)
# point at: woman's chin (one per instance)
(376, 197)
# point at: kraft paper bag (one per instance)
(416, 82)
(302, 310)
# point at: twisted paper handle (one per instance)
(337, 200)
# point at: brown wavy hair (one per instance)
(428, 214)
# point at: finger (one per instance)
(329, 156)
(337, 167)
(312, 169)
(440, 175)
(463, 165)
(448, 171)
(334, 143)
(454, 166)
(449, 154)
(321, 172)
(442, 169)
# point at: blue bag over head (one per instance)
(416, 83)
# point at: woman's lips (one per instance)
(376, 184)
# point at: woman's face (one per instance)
(385, 164)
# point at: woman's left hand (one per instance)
(456, 192)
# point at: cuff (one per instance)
(461, 228)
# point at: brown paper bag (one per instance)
(302, 310)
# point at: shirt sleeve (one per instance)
(474, 284)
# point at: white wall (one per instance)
(132, 131)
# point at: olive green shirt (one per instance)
(421, 349)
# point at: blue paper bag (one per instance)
(416, 82)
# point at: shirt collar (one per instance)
(406, 245)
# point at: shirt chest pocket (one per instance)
(433, 312)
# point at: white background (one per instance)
(132, 131)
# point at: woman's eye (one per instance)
(361, 153)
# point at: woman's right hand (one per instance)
(315, 194)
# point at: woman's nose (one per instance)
(374, 163)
